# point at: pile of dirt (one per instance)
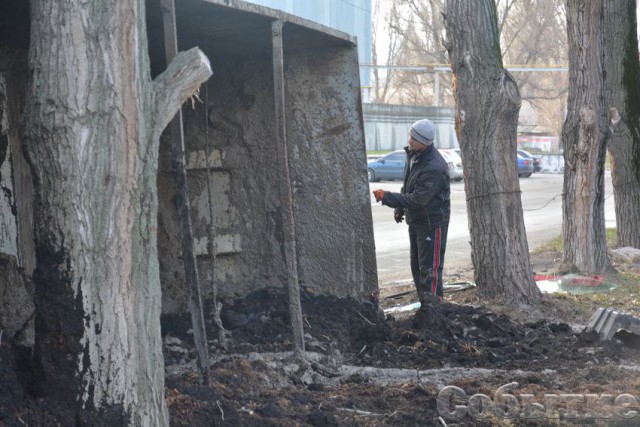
(253, 383)
(18, 404)
(361, 367)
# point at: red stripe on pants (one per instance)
(436, 260)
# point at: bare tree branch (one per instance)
(177, 83)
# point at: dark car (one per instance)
(525, 166)
(537, 163)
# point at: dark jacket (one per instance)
(425, 195)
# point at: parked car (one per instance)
(391, 166)
(388, 167)
(455, 163)
(525, 166)
(537, 163)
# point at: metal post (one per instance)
(182, 204)
(437, 91)
(286, 196)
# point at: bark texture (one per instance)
(92, 125)
(622, 92)
(487, 108)
(584, 135)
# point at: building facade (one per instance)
(350, 16)
(386, 126)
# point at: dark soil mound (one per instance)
(248, 388)
(439, 336)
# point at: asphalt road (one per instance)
(541, 202)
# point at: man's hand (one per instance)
(398, 216)
(379, 195)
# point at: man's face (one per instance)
(416, 146)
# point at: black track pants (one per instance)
(427, 247)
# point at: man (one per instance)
(425, 200)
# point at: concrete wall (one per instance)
(336, 252)
(241, 141)
(386, 127)
(331, 193)
(552, 163)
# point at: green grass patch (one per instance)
(378, 153)
(554, 245)
(612, 237)
(557, 243)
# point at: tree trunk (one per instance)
(622, 91)
(92, 125)
(487, 107)
(584, 136)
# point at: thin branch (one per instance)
(366, 413)
(365, 319)
(220, 408)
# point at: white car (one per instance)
(454, 161)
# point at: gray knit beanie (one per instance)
(423, 131)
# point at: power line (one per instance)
(543, 206)
(356, 6)
(447, 67)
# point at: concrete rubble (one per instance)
(611, 324)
